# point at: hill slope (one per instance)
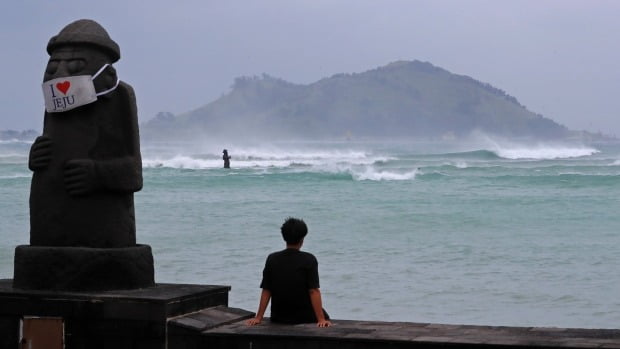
(400, 100)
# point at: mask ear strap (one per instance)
(100, 70)
(110, 89)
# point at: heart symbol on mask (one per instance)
(63, 86)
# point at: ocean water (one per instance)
(484, 232)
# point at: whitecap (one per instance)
(460, 164)
(181, 161)
(15, 176)
(544, 153)
(14, 141)
(267, 157)
(512, 150)
(372, 174)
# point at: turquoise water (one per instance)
(485, 232)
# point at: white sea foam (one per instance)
(188, 162)
(544, 152)
(16, 175)
(536, 151)
(372, 174)
(13, 156)
(310, 154)
(181, 161)
(266, 158)
(14, 141)
(460, 164)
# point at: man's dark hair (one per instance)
(293, 230)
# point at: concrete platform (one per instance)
(106, 319)
(233, 333)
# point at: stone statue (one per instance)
(87, 162)
(86, 166)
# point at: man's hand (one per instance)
(317, 306)
(40, 153)
(324, 323)
(254, 321)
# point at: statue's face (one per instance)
(73, 61)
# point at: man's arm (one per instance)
(317, 306)
(265, 296)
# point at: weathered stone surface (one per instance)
(85, 32)
(87, 162)
(9, 331)
(186, 331)
(83, 268)
(133, 319)
(211, 317)
(86, 166)
(375, 334)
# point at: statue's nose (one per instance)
(62, 70)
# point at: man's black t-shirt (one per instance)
(288, 275)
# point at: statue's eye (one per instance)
(51, 68)
(75, 65)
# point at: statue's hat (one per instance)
(85, 32)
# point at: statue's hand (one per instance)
(40, 153)
(80, 177)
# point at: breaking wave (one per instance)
(524, 153)
(261, 158)
(544, 153)
(386, 164)
(372, 174)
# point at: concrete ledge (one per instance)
(209, 318)
(186, 331)
(376, 334)
(161, 301)
(135, 319)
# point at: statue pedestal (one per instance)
(83, 268)
(106, 319)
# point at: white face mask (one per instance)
(62, 94)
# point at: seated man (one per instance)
(291, 282)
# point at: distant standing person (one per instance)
(291, 282)
(226, 158)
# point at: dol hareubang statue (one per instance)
(86, 166)
(87, 163)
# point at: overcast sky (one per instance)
(558, 58)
